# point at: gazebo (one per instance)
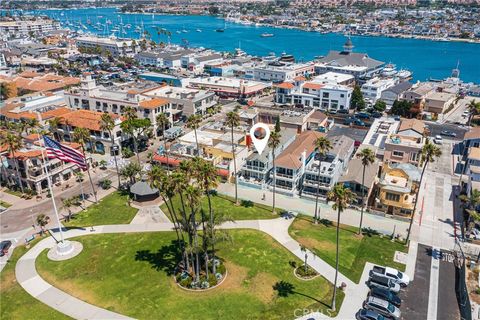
(142, 191)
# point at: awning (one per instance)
(163, 159)
(223, 172)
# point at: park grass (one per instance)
(112, 209)
(16, 303)
(16, 193)
(355, 251)
(226, 204)
(5, 204)
(132, 274)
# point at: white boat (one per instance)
(389, 70)
(199, 30)
(404, 74)
(266, 35)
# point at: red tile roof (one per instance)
(290, 157)
(313, 85)
(285, 85)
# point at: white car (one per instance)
(383, 307)
(391, 273)
(438, 139)
(475, 234)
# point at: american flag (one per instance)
(56, 150)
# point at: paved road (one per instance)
(447, 300)
(415, 296)
(437, 128)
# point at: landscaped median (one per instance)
(355, 251)
(132, 274)
(246, 210)
(112, 209)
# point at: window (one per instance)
(325, 95)
(392, 197)
(397, 153)
(342, 95)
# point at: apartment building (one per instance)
(373, 88)
(405, 146)
(378, 134)
(324, 171)
(396, 194)
(24, 27)
(362, 186)
(290, 164)
(391, 94)
(115, 46)
(89, 96)
(438, 102)
(417, 95)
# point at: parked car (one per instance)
(383, 282)
(438, 139)
(377, 114)
(4, 246)
(359, 123)
(386, 295)
(474, 234)
(344, 111)
(362, 115)
(349, 120)
(391, 273)
(365, 314)
(383, 307)
(448, 133)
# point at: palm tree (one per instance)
(42, 220)
(107, 124)
(193, 196)
(322, 145)
(233, 120)
(131, 171)
(82, 136)
(474, 108)
(429, 153)
(13, 143)
(162, 120)
(68, 203)
(470, 203)
(273, 143)
(368, 157)
(193, 122)
(304, 250)
(54, 124)
(341, 197)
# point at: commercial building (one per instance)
(228, 87)
(115, 46)
(282, 72)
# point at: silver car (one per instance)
(383, 307)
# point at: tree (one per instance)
(380, 106)
(357, 100)
(54, 124)
(162, 121)
(341, 198)
(131, 171)
(368, 157)
(136, 128)
(233, 120)
(82, 136)
(273, 143)
(193, 122)
(69, 203)
(401, 108)
(13, 143)
(277, 125)
(429, 153)
(108, 124)
(322, 146)
(470, 204)
(304, 250)
(8, 90)
(474, 109)
(42, 220)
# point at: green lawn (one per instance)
(113, 209)
(131, 274)
(227, 204)
(16, 303)
(5, 204)
(354, 251)
(16, 193)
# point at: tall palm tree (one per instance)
(322, 146)
(82, 136)
(474, 108)
(429, 153)
(273, 143)
(193, 122)
(368, 157)
(341, 197)
(108, 124)
(54, 124)
(162, 120)
(193, 196)
(13, 143)
(233, 120)
(131, 171)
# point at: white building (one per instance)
(25, 27)
(282, 73)
(313, 94)
(228, 87)
(373, 88)
(116, 46)
(335, 78)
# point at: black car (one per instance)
(365, 314)
(4, 246)
(377, 114)
(386, 295)
(362, 115)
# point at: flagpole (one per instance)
(63, 247)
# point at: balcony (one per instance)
(285, 176)
(255, 168)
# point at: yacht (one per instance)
(404, 74)
(266, 35)
(199, 30)
(389, 70)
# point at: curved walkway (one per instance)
(28, 277)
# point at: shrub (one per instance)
(212, 280)
(246, 203)
(221, 269)
(213, 192)
(326, 222)
(127, 153)
(106, 184)
(477, 291)
(310, 271)
(186, 283)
